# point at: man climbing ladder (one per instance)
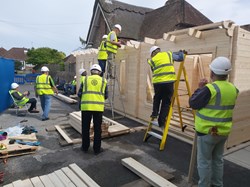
(165, 85)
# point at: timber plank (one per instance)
(73, 177)
(8, 185)
(63, 134)
(36, 182)
(55, 180)
(65, 180)
(145, 173)
(27, 183)
(46, 181)
(82, 175)
(18, 183)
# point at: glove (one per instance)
(183, 51)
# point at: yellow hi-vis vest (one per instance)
(109, 46)
(43, 85)
(219, 110)
(21, 102)
(93, 93)
(73, 82)
(162, 66)
(102, 53)
(82, 79)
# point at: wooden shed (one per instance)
(203, 44)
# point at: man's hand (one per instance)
(202, 83)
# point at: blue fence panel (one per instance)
(31, 77)
(19, 79)
(6, 78)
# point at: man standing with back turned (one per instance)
(93, 92)
(45, 87)
(214, 103)
(162, 66)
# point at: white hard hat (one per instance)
(104, 36)
(75, 77)
(44, 69)
(152, 49)
(221, 66)
(96, 67)
(14, 85)
(81, 71)
(118, 27)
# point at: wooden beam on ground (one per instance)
(65, 98)
(83, 176)
(65, 180)
(143, 183)
(63, 134)
(145, 173)
(36, 182)
(73, 177)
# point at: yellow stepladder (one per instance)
(163, 137)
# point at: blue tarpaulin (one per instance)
(6, 78)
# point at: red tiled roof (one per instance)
(16, 54)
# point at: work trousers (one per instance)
(86, 120)
(45, 104)
(210, 160)
(102, 64)
(32, 101)
(163, 95)
(111, 65)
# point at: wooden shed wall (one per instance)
(134, 74)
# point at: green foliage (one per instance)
(44, 55)
(18, 65)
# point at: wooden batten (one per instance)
(149, 41)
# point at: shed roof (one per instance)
(2, 51)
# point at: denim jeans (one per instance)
(210, 160)
(102, 64)
(45, 104)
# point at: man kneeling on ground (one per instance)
(22, 99)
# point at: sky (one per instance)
(58, 24)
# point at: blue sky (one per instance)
(59, 23)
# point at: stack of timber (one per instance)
(110, 128)
(203, 44)
(65, 98)
(18, 149)
(71, 176)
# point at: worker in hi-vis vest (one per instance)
(45, 87)
(102, 54)
(83, 74)
(112, 44)
(214, 103)
(162, 66)
(93, 92)
(22, 99)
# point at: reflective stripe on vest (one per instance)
(102, 53)
(162, 67)
(219, 110)
(109, 46)
(43, 85)
(93, 93)
(23, 101)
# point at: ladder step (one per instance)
(155, 135)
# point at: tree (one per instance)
(44, 55)
(18, 65)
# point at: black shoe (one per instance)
(100, 151)
(33, 111)
(44, 119)
(84, 150)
